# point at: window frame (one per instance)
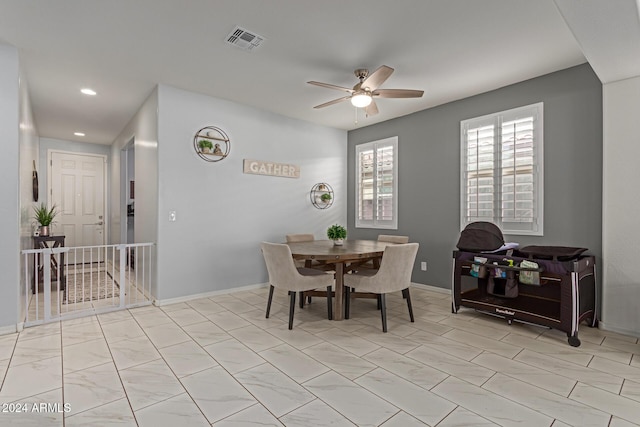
(536, 227)
(375, 222)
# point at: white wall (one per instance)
(29, 147)
(9, 187)
(223, 214)
(143, 128)
(621, 207)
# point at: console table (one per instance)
(42, 242)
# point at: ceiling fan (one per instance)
(363, 92)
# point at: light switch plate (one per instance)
(172, 216)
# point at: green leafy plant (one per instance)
(44, 215)
(336, 232)
(325, 197)
(203, 143)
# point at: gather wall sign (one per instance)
(260, 167)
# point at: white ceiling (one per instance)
(450, 49)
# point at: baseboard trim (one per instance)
(602, 325)
(432, 288)
(11, 329)
(177, 300)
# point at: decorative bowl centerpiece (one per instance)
(337, 233)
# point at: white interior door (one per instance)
(77, 188)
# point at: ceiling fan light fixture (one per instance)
(361, 100)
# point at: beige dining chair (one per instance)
(375, 262)
(394, 275)
(298, 238)
(284, 274)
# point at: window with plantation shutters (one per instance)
(501, 170)
(377, 184)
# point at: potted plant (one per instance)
(337, 233)
(205, 146)
(45, 217)
(325, 197)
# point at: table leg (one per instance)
(338, 312)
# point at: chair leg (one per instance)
(301, 299)
(407, 296)
(383, 312)
(347, 302)
(379, 302)
(292, 307)
(329, 304)
(269, 300)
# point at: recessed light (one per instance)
(88, 91)
(78, 134)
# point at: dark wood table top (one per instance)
(326, 250)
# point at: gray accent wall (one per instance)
(429, 167)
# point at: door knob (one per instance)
(99, 223)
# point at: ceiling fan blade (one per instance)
(371, 109)
(335, 101)
(398, 93)
(378, 77)
(330, 86)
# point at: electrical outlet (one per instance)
(423, 266)
(172, 216)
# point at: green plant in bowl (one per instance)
(205, 145)
(326, 197)
(336, 233)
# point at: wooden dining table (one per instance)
(350, 251)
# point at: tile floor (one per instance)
(218, 361)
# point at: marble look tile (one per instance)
(176, 411)
(166, 334)
(187, 358)
(487, 344)
(206, 333)
(255, 338)
(489, 405)
(252, 416)
(186, 316)
(571, 371)
(150, 383)
(615, 368)
(561, 408)
(527, 373)
(277, 392)
(432, 327)
(34, 349)
(631, 389)
(451, 365)
(205, 306)
(92, 387)
(174, 307)
(42, 410)
(116, 414)
(402, 419)
(475, 329)
(227, 320)
(114, 316)
(422, 404)
(298, 337)
(316, 413)
(446, 345)
(121, 330)
(461, 417)
(31, 378)
(217, 394)
(236, 306)
(132, 352)
(348, 341)
(560, 351)
(294, 363)
(153, 317)
(233, 355)
(7, 345)
(85, 355)
(391, 341)
(407, 368)
(586, 347)
(339, 360)
(40, 331)
(81, 332)
(619, 422)
(620, 406)
(357, 404)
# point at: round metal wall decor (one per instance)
(321, 195)
(212, 144)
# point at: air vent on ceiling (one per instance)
(245, 40)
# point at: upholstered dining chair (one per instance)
(394, 275)
(375, 262)
(284, 274)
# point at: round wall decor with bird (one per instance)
(362, 94)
